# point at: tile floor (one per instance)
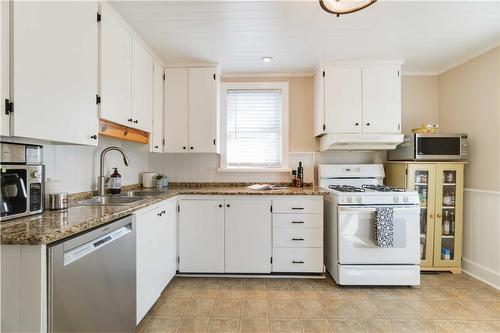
(443, 303)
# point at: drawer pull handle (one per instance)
(297, 262)
(297, 208)
(297, 239)
(297, 222)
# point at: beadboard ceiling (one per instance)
(431, 36)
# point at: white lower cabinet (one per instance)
(298, 235)
(201, 236)
(248, 236)
(225, 236)
(251, 235)
(156, 253)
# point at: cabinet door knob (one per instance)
(228, 205)
(192, 147)
(156, 147)
(136, 121)
(93, 137)
(438, 216)
(220, 206)
(184, 147)
(357, 124)
(129, 120)
(431, 215)
(367, 124)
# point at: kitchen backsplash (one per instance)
(70, 168)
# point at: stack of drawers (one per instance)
(298, 234)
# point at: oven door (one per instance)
(439, 147)
(14, 193)
(357, 239)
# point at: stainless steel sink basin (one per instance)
(109, 201)
(140, 194)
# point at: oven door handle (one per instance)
(374, 209)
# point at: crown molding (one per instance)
(469, 57)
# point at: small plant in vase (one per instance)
(158, 181)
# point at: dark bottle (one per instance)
(115, 182)
(300, 175)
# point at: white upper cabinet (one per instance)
(381, 99)
(202, 109)
(54, 75)
(357, 98)
(343, 111)
(126, 76)
(4, 68)
(191, 109)
(142, 88)
(116, 65)
(156, 138)
(176, 110)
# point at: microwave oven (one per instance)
(22, 180)
(431, 147)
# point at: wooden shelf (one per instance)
(113, 130)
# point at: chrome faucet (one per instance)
(101, 180)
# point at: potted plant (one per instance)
(158, 181)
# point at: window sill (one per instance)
(261, 170)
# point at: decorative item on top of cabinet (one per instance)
(357, 98)
(53, 43)
(440, 187)
(191, 110)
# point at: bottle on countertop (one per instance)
(294, 178)
(300, 175)
(115, 182)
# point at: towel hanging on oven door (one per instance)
(384, 226)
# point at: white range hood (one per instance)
(365, 142)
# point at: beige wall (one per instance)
(469, 102)
(419, 101)
(300, 90)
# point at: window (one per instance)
(254, 126)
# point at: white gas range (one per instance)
(353, 254)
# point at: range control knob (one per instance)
(396, 199)
(405, 199)
(349, 199)
(35, 174)
(359, 200)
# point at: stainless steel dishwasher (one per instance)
(91, 280)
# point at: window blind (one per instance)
(254, 122)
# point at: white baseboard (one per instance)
(481, 273)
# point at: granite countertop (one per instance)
(53, 226)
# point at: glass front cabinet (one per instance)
(440, 189)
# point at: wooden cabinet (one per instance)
(54, 75)
(156, 253)
(440, 187)
(126, 76)
(298, 235)
(219, 235)
(191, 109)
(357, 98)
(201, 236)
(247, 236)
(156, 138)
(115, 70)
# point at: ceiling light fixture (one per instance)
(267, 60)
(341, 7)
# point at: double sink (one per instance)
(122, 199)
